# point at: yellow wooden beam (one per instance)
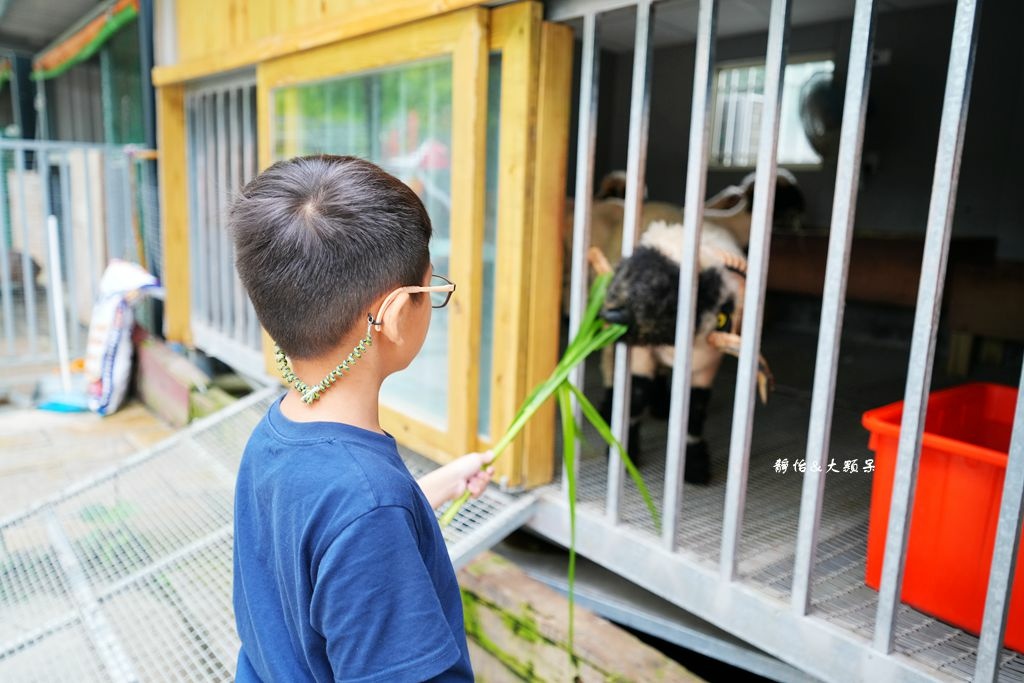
(549, 182)
(203, 26)
(174, 212)
(520, 25)
(468, 191)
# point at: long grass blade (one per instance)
(569, 436)
(594, 417)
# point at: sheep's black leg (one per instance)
(661, 395)
(698, 460)
(640, 401)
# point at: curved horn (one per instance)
(730, 260)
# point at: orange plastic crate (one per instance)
(956, 504)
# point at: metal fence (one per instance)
(720, 595)
(104, 200)
(126, 575)
(221, 130)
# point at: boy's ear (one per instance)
(393, 321)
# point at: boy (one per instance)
(340, 570)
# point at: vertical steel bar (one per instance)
(235, 183)
(6, 288)
(110, 215)
(27, 276)
(757, 277)
(224, 265)
(210, 219)
(70, 252)
(636, 167)
(43, 170)
(1004, 556)
(730, 122)
(586, 140)
(693, 218)
(90, 226)
(249, 172)
(926, 318)
(851, 138)
(195, 183)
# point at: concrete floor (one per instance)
(42, 452)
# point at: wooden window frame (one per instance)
(533, 146)
(462, 36)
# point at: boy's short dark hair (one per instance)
(317, 239)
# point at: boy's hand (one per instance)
(452, 480)
(471, 472)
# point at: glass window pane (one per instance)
(399, 118)
(490, 244)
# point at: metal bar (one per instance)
(113, 245)
(586, 140)
(636, 166)
(197, 234)
(223, 263)
(730, 123)
(234, 184)
(210, 190)
(54, 145)
(6, 290)
(693, 219)
(926, 317)
(1004, 556)
(757, 277)
(851, 138)
(94, 276)
(70, 252)
(249, 172)
(27, 276)
(102, 635)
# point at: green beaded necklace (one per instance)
(312, 393)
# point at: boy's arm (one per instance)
(449, 481)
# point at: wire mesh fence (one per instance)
(127, 576)
(104, 201)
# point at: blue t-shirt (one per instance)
(341, 572)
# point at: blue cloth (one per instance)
(341, 572)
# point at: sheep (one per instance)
(644, 295)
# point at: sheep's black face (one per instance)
(644, 295)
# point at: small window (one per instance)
(736, 118)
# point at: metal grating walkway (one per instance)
(768, 544)
(127, 576)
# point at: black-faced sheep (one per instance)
(644, 296)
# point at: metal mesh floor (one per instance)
(768, 543)
(127, 576)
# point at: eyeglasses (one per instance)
(440, 290)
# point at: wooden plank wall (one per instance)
(236, 33)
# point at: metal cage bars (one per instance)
(43, 178)
(221, 143)
(586, 139)
(693, 219)
(636, 167)
(926, 318)
(757, 281)
(819, 431)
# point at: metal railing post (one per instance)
(929, 299)
(636, 165)
(844, 204)
(586, 138)
(757, 278)
(693, 218)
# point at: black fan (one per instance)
(821, 113)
